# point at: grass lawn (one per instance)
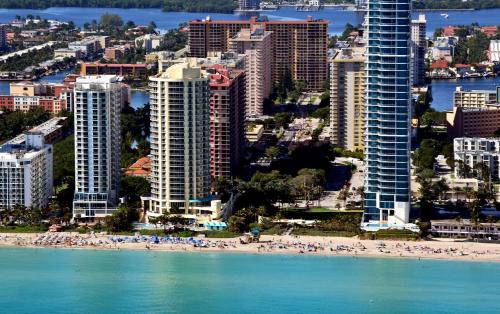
(23, 229)
(321, 233)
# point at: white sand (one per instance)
(331, 246)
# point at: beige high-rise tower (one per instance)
(180, 151)
(347, 98)
(256, 45)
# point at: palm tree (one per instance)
(360, 191)
(343, 196)
(164, 220)
(474, 214)
(457, 191)
(469, 193)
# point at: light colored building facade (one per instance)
(494, 51)
(464, 229)
(149, 42)
(90, 46)
(67, 53)
(26, 173)
(249, 5)
(388, 114)
(347, 98)
(472, 151)
(444, 48)
(418, 49)
(476, 98)
(256, 46)
(180, 139)
(98, 101)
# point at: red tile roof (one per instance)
(440, 64)
(142, 167)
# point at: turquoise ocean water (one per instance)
(85, 281)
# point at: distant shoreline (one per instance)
(443, 249)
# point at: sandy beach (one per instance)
(308, 245)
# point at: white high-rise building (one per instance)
(180, 146)
(418, 48)
(26, 173)
(97, 101)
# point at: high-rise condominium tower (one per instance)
(256, 45)
(298, 47)
(418, 47)
(180, 139)
(387, 131)
(227, 120)
(347, 101)
(97, 101)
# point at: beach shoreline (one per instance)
(443, 249)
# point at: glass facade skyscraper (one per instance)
(388, 113)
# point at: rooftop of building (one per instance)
(142, 167)
(256, 34)
(421, 19)
(181, 71)
(350, 54)
(440, 64)
(462, 222)
(220, 75)
(259, 20)
(479, 91)
(115, 65)
(11, 152)
(98, 79)
(45, 128)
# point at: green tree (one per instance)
(272, 152)
(133, 187)
(282, 119)
(121, 219)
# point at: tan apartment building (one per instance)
(180, 139)
(299, 46)
(256, 46)
(474, 98)
(347, 100)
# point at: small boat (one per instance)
(444, 15)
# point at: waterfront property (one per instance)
(464, 229)
(26, 172)
(180, 139)
(476, 98)
(388, 113)
(98, 102)
(130, 71)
